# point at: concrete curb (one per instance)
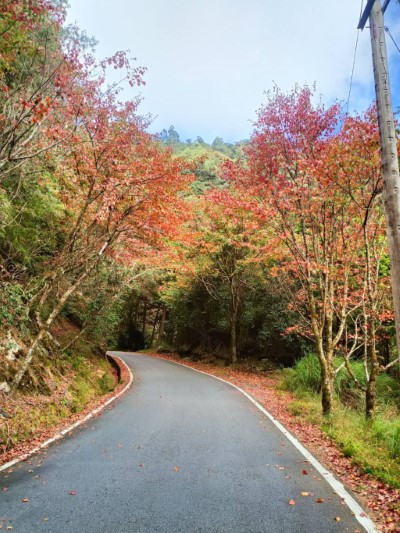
(67, 430)
(337, 486)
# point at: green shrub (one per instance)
(374, 445)
(387, 430)
(77, 362)
(344, 382)
(305, 378)
(13, 308)
(388, 390)
(82, 392)
(106, 383)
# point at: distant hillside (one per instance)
(208, 156)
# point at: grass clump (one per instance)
(373, 445)
(82, 392)
(106, 383)
(304, 377)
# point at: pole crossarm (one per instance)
(384, 7)
(366, 14)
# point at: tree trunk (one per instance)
(233, 322)
(327, 376)
(326, 389)
(233, 343)
(370, 393)
(134, 315)
(153, 332)
(144, 318)
(325, 358)
(44, 327)
(234, 307)
(27, 361)
(162, 326)
(370, 397)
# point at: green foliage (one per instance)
(170, 137)
(206, 158)
(305, 378)
(372, 445)
(139, 309)
(384, 265)
(87, 384)
(31, 229)
(388, 390)
(106, 383)
(196, 319)
(387, 430)
(265, 320)
(77, 363)
(99, 308)
(81, 392)
(13, 304)
(199, 319)
(83, 386)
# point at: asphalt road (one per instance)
(181, 452)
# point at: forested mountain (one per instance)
(208, 158)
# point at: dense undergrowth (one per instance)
(374, 445)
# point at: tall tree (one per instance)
(318, 188)
(352, 164)
(224, 249)
(310, 219)
(118, 187)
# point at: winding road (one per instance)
(180, 452)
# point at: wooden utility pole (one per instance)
(389, 157)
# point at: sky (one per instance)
(210, 62)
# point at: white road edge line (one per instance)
(337, 486)
(60, 435)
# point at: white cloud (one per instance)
(210, 61)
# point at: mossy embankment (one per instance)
(58, 387)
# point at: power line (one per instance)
(354, 63)
(391, 36)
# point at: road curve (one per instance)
(181, 452)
